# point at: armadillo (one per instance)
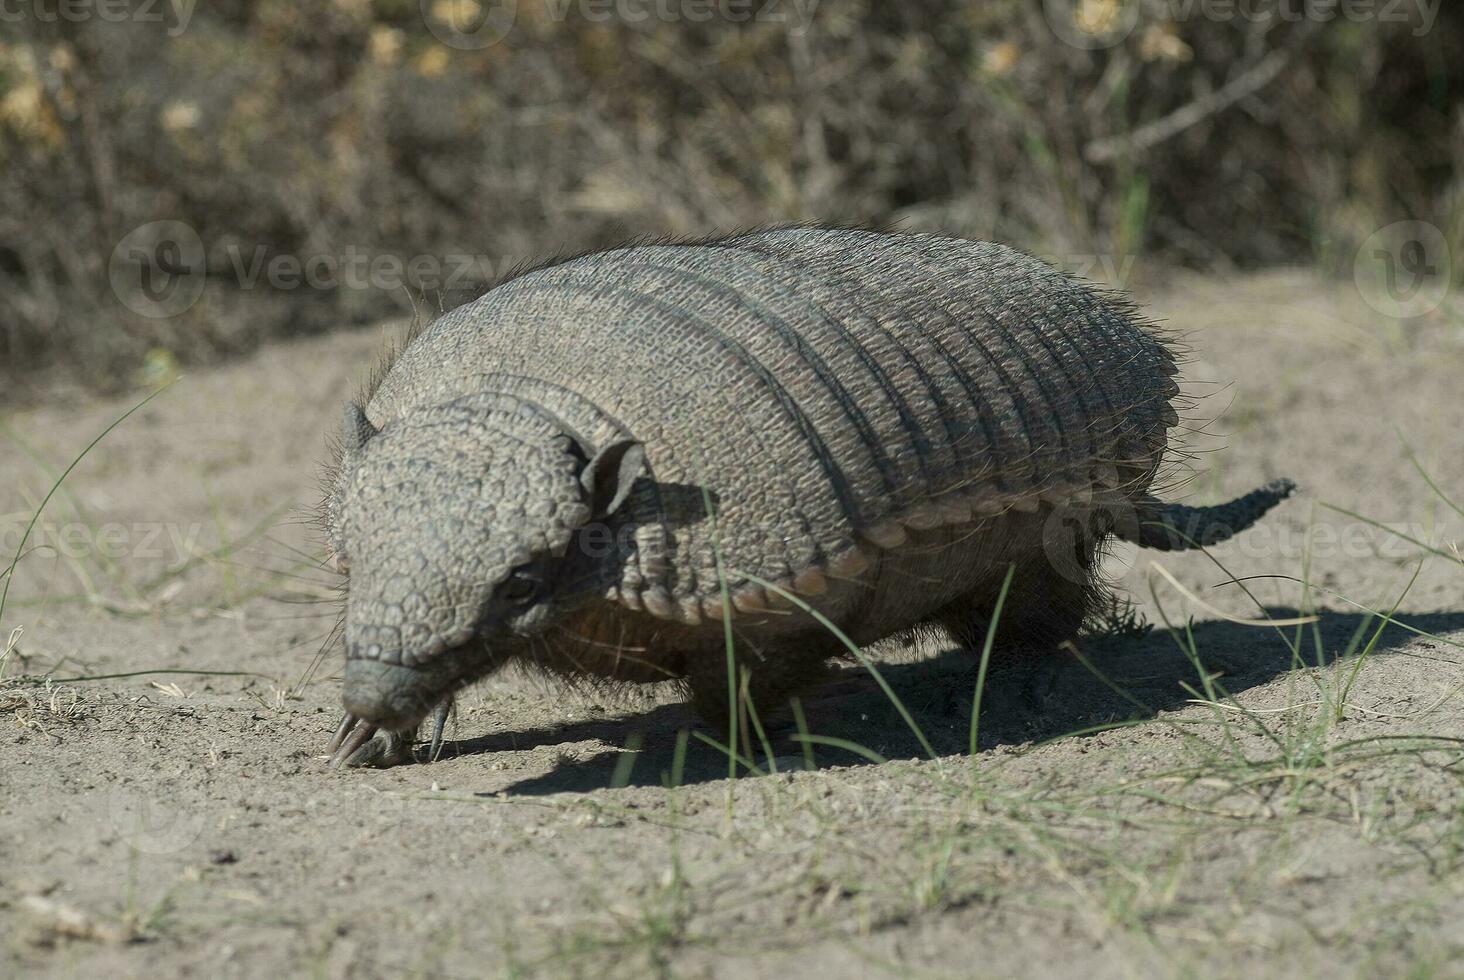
(602, 464)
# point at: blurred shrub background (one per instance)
(274, 128)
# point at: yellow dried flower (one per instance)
(385, 45)
(1001, 59)
(433, 62)
(454, 12)
(1161, 43)
(180, 115)
(1097, 17)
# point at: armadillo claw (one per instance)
(358, 743)
(439, 722)
(369, 745)
(353, 734)
(384, 749)
(348, 721)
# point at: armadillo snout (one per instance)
(389, 694)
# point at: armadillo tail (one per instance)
(1175, 527)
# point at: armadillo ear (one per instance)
(608, 477)
(357, 429)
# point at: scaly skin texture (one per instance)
(594, 463)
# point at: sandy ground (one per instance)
(1262, 807)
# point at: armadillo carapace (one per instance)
(591, 466)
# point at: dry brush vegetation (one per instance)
(348, 129)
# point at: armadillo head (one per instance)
(457, 524)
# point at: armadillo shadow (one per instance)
(1125, 678)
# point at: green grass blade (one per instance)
(736, 757)
(1413, 458)
(727, 637)
(1394, 532)
(163, 670)
(858, 654)
(36, 516)
(809, 763)
(845, 744)
(1006, 585)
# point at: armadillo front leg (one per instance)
(768, 679)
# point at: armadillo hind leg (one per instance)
(1047, 603)
(1175, 527)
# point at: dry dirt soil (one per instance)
(1215, 798)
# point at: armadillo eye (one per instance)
(519, 589)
